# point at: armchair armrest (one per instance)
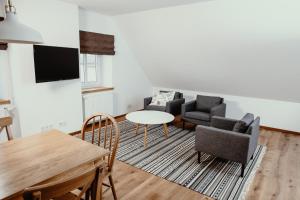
(222, 143)
(223, 123)
(187, 107)
(174, 106)
(218, 110)
(147, 101)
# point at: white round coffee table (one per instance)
(149, 117)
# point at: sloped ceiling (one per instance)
(116, 7)
(236, 47)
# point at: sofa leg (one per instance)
(252, 157)
(242, 170)
(183, 125)
(199, 156)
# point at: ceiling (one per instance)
(117, 7)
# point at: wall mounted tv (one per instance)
(55, 63)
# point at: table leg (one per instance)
(137, 128)
(166, 130)
(145, 136)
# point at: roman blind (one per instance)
(3, 46)
(97, 43)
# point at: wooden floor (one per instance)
(278, 177)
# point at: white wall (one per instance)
(237, 47)
(98, 102)
(129, 80)
(55, 104)
(276, 114)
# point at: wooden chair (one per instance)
(5, 123)
(108, 138)
(61, 189)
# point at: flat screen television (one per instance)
(55, 63)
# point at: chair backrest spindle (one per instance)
(110, 137)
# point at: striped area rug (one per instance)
(175, 159)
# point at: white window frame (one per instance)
(98, 81)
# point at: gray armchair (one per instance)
(201, 110)
(234, 140)
(173, 107)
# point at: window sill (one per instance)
(96, 89)
(4, 102)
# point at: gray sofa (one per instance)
(173, 107)
(201, 110)
(234, 140)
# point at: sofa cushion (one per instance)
(205, 103)
(198, 115)
(162, 98)
(157, 108)
(242, 125)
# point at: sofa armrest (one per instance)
(147, 101)
(174, 106)
(223, 123)
(218, 110)
(187, 107)
(222, 143)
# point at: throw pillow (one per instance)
(242, 125)
(162, 98)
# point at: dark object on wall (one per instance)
(55, 63)
(96, 43)
(3, 46)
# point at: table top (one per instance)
(28, 161)
(150, 117)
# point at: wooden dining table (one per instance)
(25, 162)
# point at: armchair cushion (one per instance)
(223, 123)
(198, 115)
(242, 125)
(205, 103)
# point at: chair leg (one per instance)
(252, 157)
(112, 187)
(199, 156)
(100, 190)
(242, 170)
(183, 123)
(87, 194)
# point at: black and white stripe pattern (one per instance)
(175, 159)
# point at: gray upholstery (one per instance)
(173, 107)
(223, 123)
(198, 115)
(201, 110)
(219, 140)
(206, 103)
(242, 125)
(158, 108)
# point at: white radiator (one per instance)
(98, 102)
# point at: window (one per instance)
(90, 70)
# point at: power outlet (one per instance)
(62, 124)
(47, 128)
